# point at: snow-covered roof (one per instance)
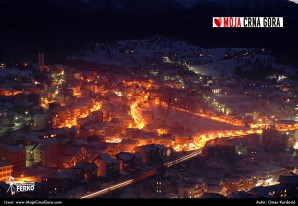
(4, 164)
(263, 191)
(85, 165)
(209, 195)
(242, 194)
(129, 142)
(288, 179)
(11, 147)
(108, 159)
(124, 156)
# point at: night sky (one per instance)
(59, 28)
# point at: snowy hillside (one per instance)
(160, 50)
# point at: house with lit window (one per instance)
(89, 170)
(151, 153)
(69, 157)
(94, 149)
(63, 180)
(61, 114)
(234, 184)
(107, 166)
(216, 186)
(43, 153)
(191, 189)
(291, 182)
(273, 191)
(129, 161)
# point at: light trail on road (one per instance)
(150, 173)
(108, 189)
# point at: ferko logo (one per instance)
(16, 186)
(248, 22)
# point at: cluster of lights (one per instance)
(201, 139)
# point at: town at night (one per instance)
(143, 99)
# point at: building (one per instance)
(97, 116)
(291, 182)
(147, 116)
(22, 107)
(216, 186)
(125, 160)
(150, 153)
(5, 171)
(273, 191)
(192, 190)
(242, 194)
(89, 169)
(219, 150)
(63, 180)
(13, 155)
(234, 184)
(128, 145)
(70, 155)
(133, 132)
(107, 166)
(129, 161)
(39, 122)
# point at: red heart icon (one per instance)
(217, 22)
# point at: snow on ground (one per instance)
(190, 121)
(214, 69)
(146, 52)
(130, 51)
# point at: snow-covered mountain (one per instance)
(296, 1)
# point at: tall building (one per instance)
(41, 60)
